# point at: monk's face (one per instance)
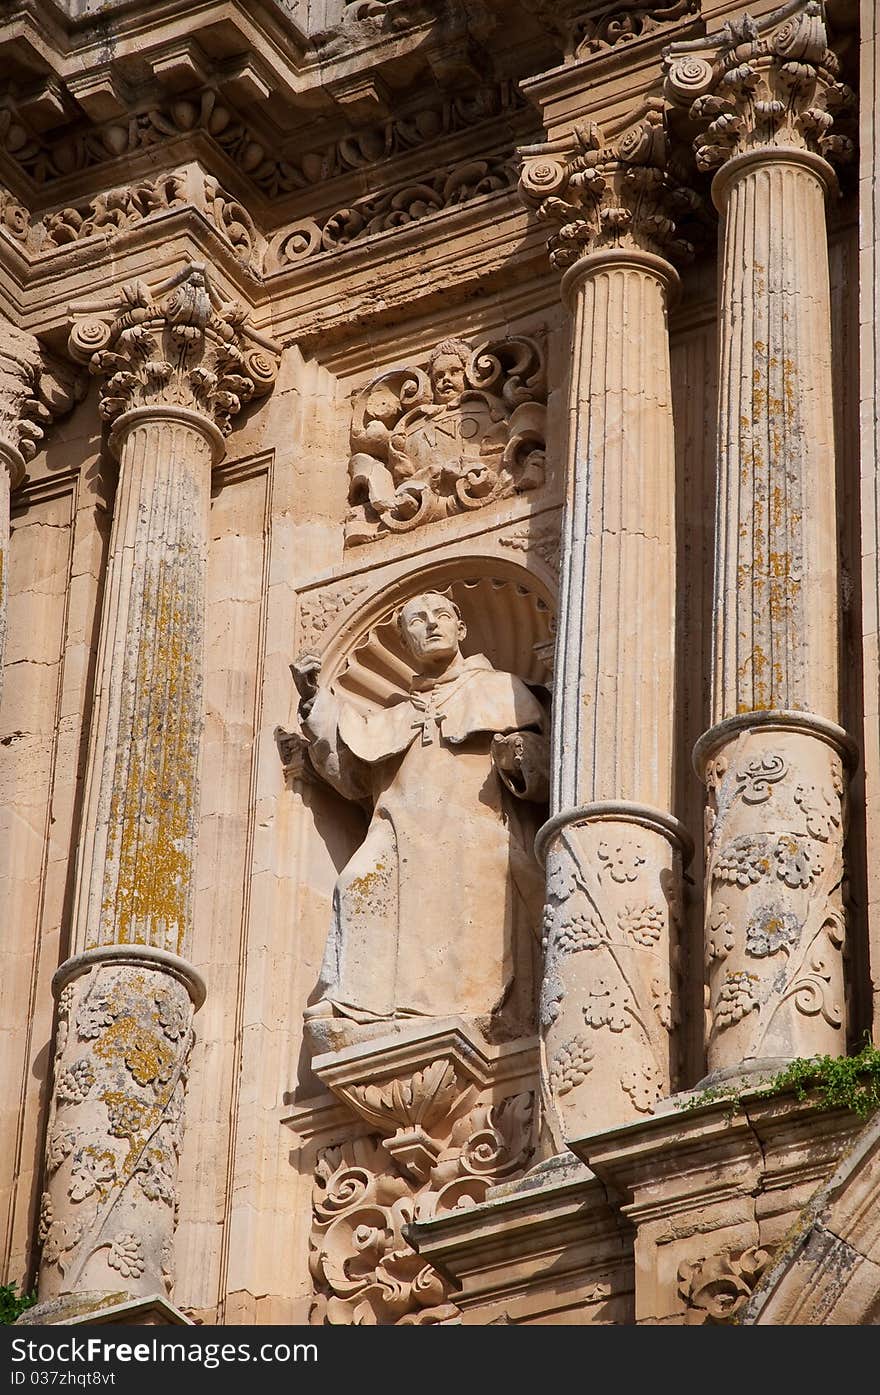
(432, 630)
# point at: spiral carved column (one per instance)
(176, 372)
(612, 849)
(775, 761)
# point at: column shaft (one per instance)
(126, 998)
(775, 761)
(613, 853)
(141, 801)
(776, 560)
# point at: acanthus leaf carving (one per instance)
(774, 82)
(34, 389)
(619, 187)
(180, 344)
(462, 433)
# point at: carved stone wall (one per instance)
(282, 349)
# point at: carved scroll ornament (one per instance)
(464, 432)
(364, 1197)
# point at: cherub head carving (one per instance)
(446, 370)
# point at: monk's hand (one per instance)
(507, 753)
(306, 670)
(521, 762)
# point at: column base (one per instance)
(747, 1074)
(101, 1309)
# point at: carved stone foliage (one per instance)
(775, 926)
(319, 609)
(15, 221)
(115, 210)
(33, 390)
(718, 1287)
(113, 1141)
(186, 348)
(367, 1191)
(608, 1005)
(461, 433)
(207, 114)
(595, 28)
(392, 208)
(773, 82)
(613, 188)
(543, 540)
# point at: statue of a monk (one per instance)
(441, 899)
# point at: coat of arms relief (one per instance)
(466, 430)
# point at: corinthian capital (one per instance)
(32, 392)
(616, 187)
(769, 83)
(179, 344)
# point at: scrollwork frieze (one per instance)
(397, 207)
(585, 30)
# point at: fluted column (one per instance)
(775, 760)
(176, 372)
(613, 851)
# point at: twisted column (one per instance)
(775, 760)
(175, 373)
(613, 851)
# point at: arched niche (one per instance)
(508, 611)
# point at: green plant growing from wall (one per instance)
(12, 1305)
(843, 1082)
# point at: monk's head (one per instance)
(432, 629)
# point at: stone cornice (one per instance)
(177, 346)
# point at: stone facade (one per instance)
(439, 734)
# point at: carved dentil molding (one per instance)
(178, 345)
(612, 188)
(769, 83)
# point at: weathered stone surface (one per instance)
(631, 488)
